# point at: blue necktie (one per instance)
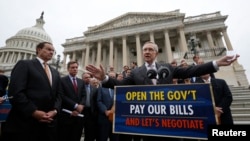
(88, 96)
(111, 93)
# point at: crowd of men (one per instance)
(46, 106)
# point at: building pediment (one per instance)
(133, 18)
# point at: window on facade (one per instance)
(173, 48)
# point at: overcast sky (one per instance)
(70, 18)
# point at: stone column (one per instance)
(227, 40)
(115, 58)
(64, 60)
(124, 51)
(111, 52)
(104, 54)
(87, 55)
(74, 56)
(18, 56)
(12, 57)
(138, 50)
(210, 39)
(93, 56)
(169, 53)
(25, 56)
(183, 40)
(1, 58)
(99, 49)
(83, 57)
(151, 35)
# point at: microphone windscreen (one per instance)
(163, 72)
(151, 74)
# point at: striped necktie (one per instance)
(75, 84)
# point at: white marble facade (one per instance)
(118, 41)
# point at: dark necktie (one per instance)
(74, 84)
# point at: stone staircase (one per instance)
(241, 105)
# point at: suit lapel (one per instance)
(40, 68)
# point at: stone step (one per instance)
(240, 104)
(241, 99)
(240, 92)
(241, 117)
(240, 110)
(242, 122)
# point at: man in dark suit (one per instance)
(198, 61)
(222, 97)
(138, 76)
(36, 98)
(105, 100)
(90, 110)
(73, 99)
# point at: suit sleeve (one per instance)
(101, 106)
(18, 87)
(191, 71)
(226, 96)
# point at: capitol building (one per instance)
(118, 42)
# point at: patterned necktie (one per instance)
(88, 96)
(46, 68)
(74, 84)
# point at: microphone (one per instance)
(151, 74)
(163, 72)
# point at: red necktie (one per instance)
(75, 85)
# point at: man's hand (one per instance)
(98, 73)
(79, 108)
(43, 116)
(227, 60)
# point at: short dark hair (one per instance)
(71, 62)
(41, 45)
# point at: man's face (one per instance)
(149, 53)
(86, 78)
(46, 53)
(73, 69)
(205, 76)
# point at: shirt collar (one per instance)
(147, 65)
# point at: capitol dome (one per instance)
(37, 31)
(22, 45)
(34, 32)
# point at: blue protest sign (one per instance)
(182, 111)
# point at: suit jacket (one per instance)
(93, 99)
(31, 90)
(138, 76)
(3, 84)
(104, 102)
(223, 98)
(70, 98)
